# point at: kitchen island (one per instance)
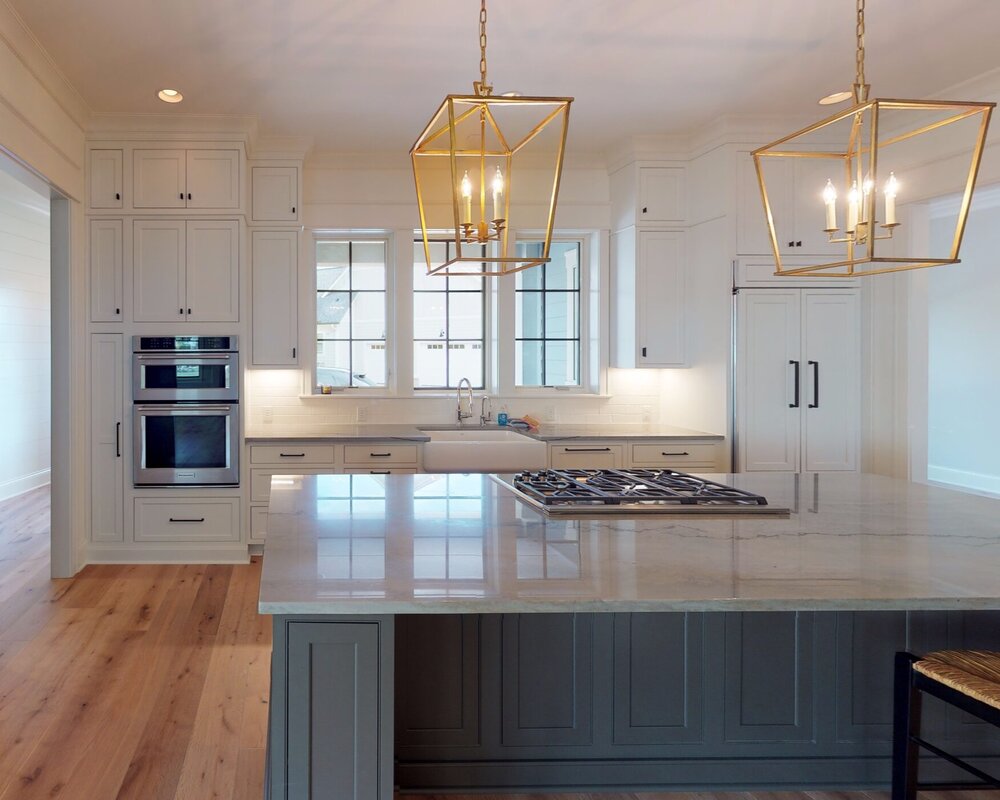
(440, 623)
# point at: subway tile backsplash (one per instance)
(273, 398)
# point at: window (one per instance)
(351, 313)
(448, 324)
(547, 317)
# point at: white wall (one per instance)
(24, 338)
(963, 427)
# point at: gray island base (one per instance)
(435, 633)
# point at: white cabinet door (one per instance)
(831, 380)
(213, 179)
(660, 299)
(158, 179)
(769, 361)
(274, 286)
(751, 222)
(105, 178)
(106, 270)
(661, 194)
(213, 267)
(107, 485)
(158, 257)
(275, 194)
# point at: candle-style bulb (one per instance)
(466, 185)
(829, 192)
(852, 208)
(498, 182)
(466, 199)
(891, 186)
(891, 189)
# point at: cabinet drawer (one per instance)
(667, 454)
(207, 520)
(377, 471)
(291, 454)
(380, 454)
(587, 455)
(258, 524)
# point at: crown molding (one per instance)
(393, 160)
(26, 46)
(151, 126)
(295, 148)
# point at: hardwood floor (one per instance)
(151, 682)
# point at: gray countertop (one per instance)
(415, 433)
(401, 544)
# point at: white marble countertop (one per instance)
(401, 544)
(415, 432)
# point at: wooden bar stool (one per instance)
(966, 679)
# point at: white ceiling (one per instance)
(360, 75)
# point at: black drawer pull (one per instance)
(795, 402)
(182, 519)
(685, 453)
(118, 440)
(588, 449)
(379, 472)
(379, 455)
(815, 402)
(292, 455)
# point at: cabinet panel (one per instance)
(333, 711)
(586, 455)
(274, 287)
(674, 453)
(380, 453)
(547, 665)
(105, 179)
(258, 524)
(661, 194)
(831, 393)
(437, 680)
(213, 268)
(106, 270)
(751, 222)
(291, 453)
(658, 678)
(173, 520)
(107, 476)
(768, 362)
(769, 677)
(158, 248)
(159, 179)
(213, 179)
(275, 194)
(661, 310)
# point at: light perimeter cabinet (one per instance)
(798, 404)
(107, 475)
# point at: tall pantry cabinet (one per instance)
(798, 394)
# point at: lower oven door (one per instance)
(188, 444)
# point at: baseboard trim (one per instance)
(963, 479)
(26, 483)
(166, 554)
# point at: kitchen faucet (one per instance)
(485, 410)
(464, 414)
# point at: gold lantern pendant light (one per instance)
(852, 218)
(463, 167)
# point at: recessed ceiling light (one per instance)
(170, 95)
(836, 97)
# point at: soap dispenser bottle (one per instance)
(503, 416)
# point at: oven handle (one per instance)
(185, 357)
(177, 409)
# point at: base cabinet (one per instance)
(660, 700)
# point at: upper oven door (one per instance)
(172, 378)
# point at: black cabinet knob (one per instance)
(182, 195)
(293, 209)
(118, 311)
(189, 195)
(118, 195)
(189, 311)
(180, 311)
(798, 244)
(645, 209)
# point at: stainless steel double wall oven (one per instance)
(186, 419)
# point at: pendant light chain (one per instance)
(483, 89)
(860, 87)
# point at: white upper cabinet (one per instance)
(646, 194)
(794, 193)
(274, 286)
(106, 273)
(186, 270)
(661, 194)
(213, 179)
(159, 179)
(194, 178)
(648, 290)
(275, 194)
(106, 179)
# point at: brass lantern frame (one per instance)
(861, 161)
(860, 164)
(440, 139)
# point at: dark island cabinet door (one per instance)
(972, 630)
(769, 677)
(437, 682)
(658, 684)
(546, 664)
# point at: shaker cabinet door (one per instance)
(158, 256)
(212, 275)
(106, 270)
(159, 179)
(275, 303)
(213, 179)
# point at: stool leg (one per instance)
(905, 725)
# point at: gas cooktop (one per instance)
(633, 491)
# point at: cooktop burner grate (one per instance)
(615, 487)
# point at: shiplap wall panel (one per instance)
(24, 338)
